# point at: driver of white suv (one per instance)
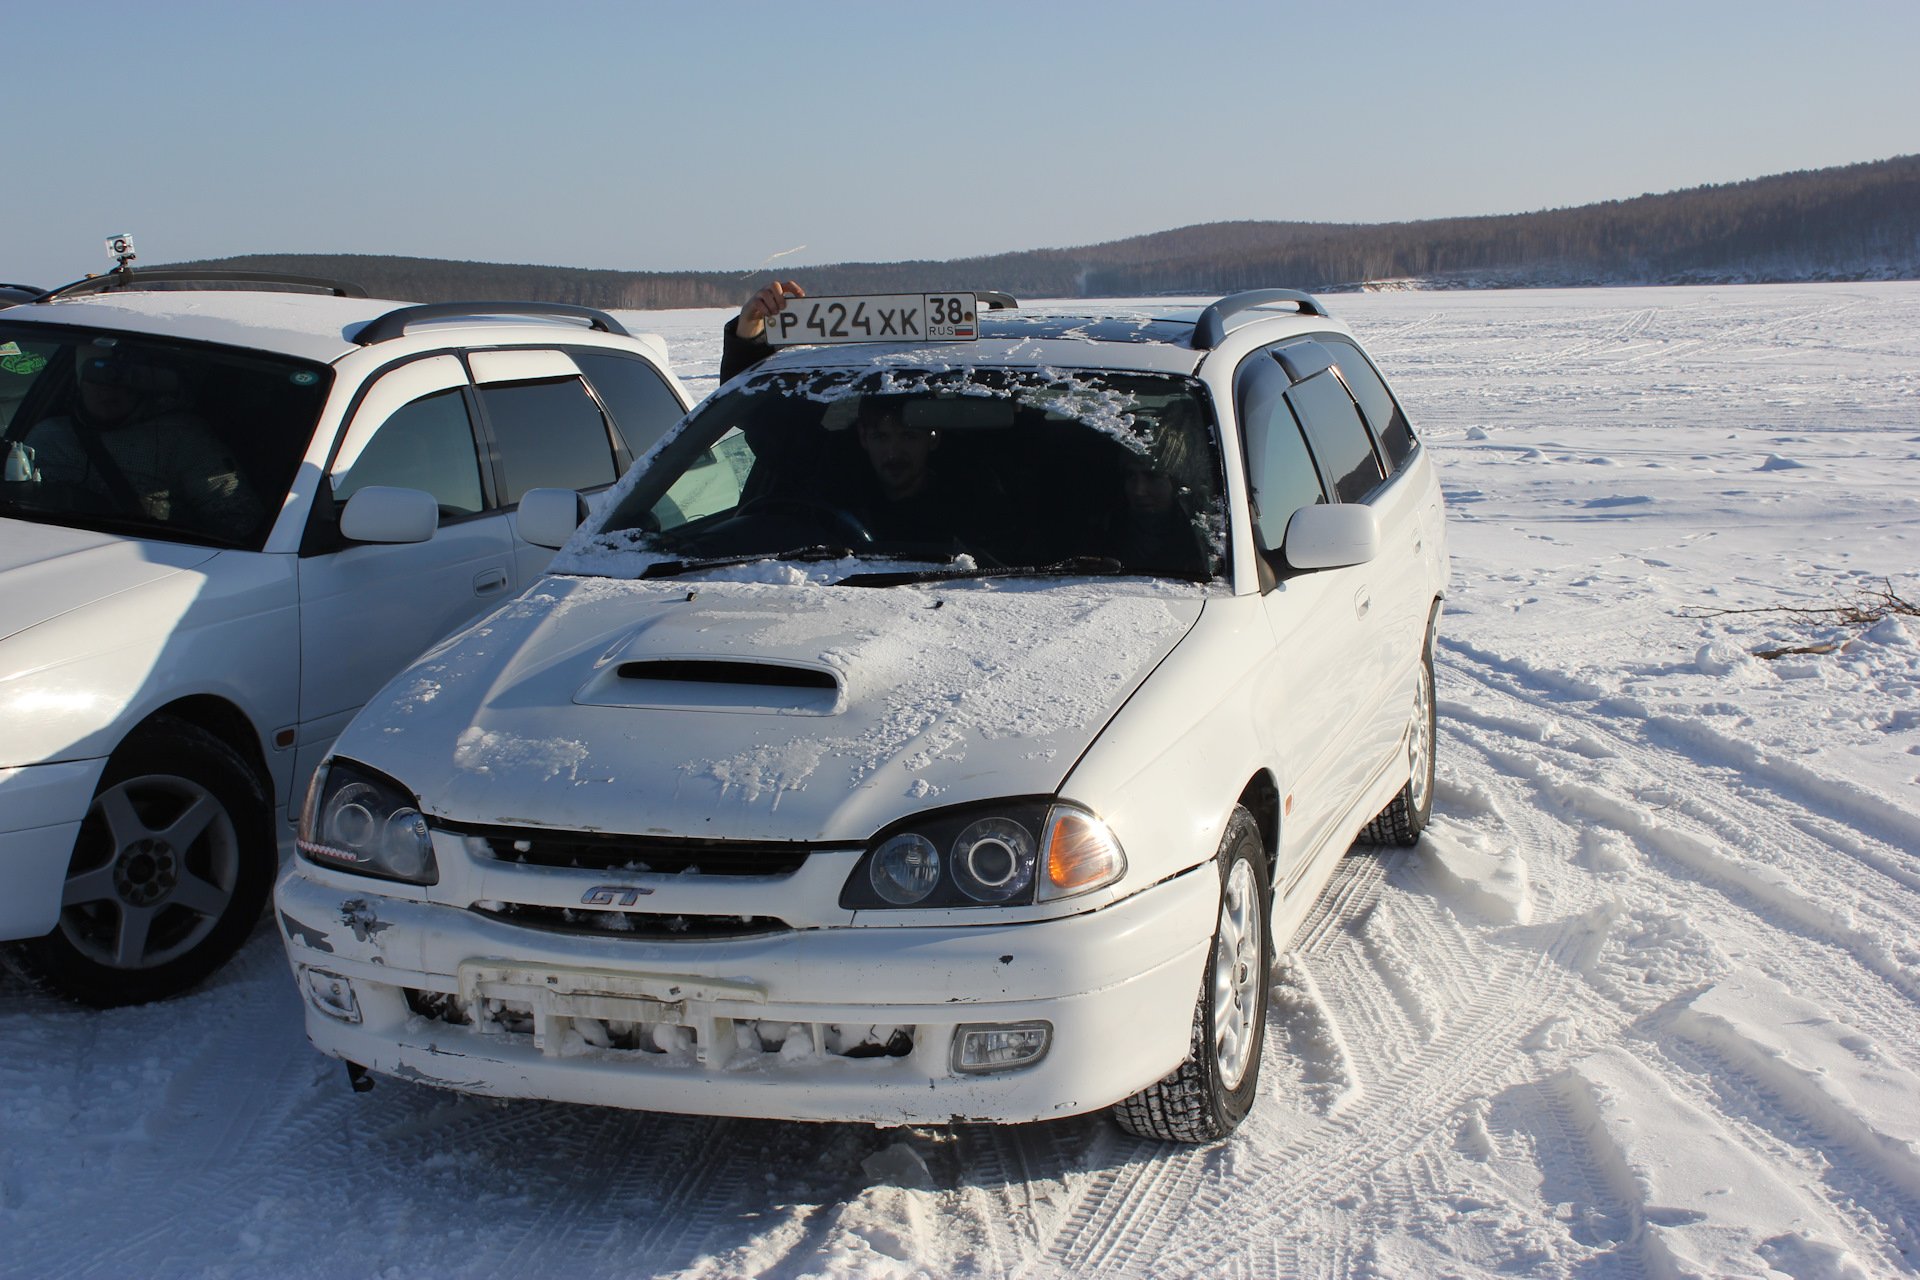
(130, 437)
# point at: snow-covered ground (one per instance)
(1645, 1001)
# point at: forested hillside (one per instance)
(1855, 222)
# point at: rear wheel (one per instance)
(169, 872)
(1402, 821)
(1210, 1093)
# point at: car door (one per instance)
(1305, 695)
(1407, 506)
(1355, 472)
(545, 429)
(366, 610)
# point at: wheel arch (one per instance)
(225, 721)
(1261, 798)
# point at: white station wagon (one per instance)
(924, 731)
(232, 508)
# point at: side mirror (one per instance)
(548, 517)
(382, 513)
(1332, 536)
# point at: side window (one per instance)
(427, 444)
(1340, 439)
(642, 405)
(1279, 466)
(1382, 410)
(549, 433)
(713, 483)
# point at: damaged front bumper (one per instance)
(888, 1025)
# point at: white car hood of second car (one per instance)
(919, 697)
(49, 570)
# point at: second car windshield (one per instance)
(1007, 467)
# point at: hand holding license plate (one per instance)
(875, 317)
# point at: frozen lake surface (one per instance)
(1645, 1000)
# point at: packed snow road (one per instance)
(1645, 1000)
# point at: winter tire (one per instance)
(169, 873)
(1210, 1093)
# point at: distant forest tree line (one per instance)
(1853, 222)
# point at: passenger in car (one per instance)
(1154, 529)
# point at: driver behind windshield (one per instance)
(130, 442)
(906, 496)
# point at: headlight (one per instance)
(905, 869)
(359, 820)
(1011, 853)
(993, 860)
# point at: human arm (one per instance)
(743, 340)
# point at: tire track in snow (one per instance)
(1121, 1215)
(1786, 885)
(1798, 940)
(1333, 1160)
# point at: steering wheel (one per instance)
(828, 516)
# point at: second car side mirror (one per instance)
(548, 517)
(384, 513)
(1332, 536)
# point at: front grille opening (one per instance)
(751, 1039)
(765, 675)
(652, 926)
(437, 1006)
(593, 851)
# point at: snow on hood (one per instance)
(48, 570)
(785, 711)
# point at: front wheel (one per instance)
(169, 873)
(1210, 1093)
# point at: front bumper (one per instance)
(757, 1026)
(41, 806)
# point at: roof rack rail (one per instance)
(270, 281)
(394, 323)
(994, 300)
(1211, 329)
(23, 288)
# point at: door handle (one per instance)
(488, 581)
(1362, 601)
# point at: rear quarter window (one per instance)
(1340, 441)
(1383, 412)
(642, 406)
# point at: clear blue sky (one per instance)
(662, 136)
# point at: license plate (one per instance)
(875, 317)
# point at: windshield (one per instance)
(1033, 468)
(132, 434)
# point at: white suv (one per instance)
(927, 730)
(229, 513)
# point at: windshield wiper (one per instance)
(673, 568)
(1073, 566)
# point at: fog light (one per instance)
(1000, 1046)
(332, 994)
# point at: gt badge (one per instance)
(612, 895)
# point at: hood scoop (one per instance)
(731, 685)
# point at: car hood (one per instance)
(768, 712)
(47, 570)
